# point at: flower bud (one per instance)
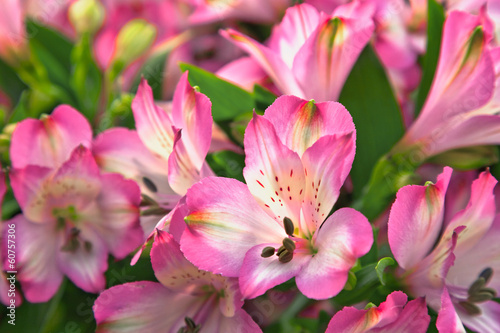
(86, 16)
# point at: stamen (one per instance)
(280, 250)
(476, 286)
(149, 184)
(289, 227)
(190, 327)
(470, 308)
(486, 274)
(267, 251)
(154, 211)
(289, 244)
(286, 256)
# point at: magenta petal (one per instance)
(414, 318)
(224, 222)
(416, 220)
(344, 237)
(154, 126)
(142, 307)
(192, 112)
(49, 142)
(38, 270)
(274, 173)
(270, 61)
(260, 274)
(448, 320)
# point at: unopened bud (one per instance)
(86, 15)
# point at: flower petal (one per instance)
(50, 141)
(36, 263)
(224, 222)
(344, 237)
(416, 220)
(274, 174)
(270, 61)
(154, 125)
(299, 123)
(448, 320)
(488, 321)
(140, 306)
(326, 58)
(260, 274)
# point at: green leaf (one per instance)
(467, 158)
(228, 100)
(227, 164)
(380, 268)
(367, 280)
(369, 98)
(10, 82)
(86, 78)
(153, 71)
(263, 97)
(435, 22)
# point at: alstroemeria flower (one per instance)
(73, 216)
(310, 54)
(393, 315)
(186, 299)
(453, 262)
(276, 227)
(456, 113)
(166, 155)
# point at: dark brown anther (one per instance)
(289, 228)
(154, 211)
(147, 200)
(267, 251)
(289, 244)
(149, 184)
(476, 286)
(470, 308)
(486, 274)
(286, 256)
(189, 322)
(280, 250)
(482, 295)
(87, 246)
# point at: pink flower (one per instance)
(13, 40)
(458, 111)
(451, 261)
(393, 315)
(186, 297)
(276, 227)
(73, 215)
(166, 155)
(310, 54)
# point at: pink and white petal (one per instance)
(416, 220)
(118, 220)
(172, 269)
(344, 237)
(36, 262)
(121, 150)
(28, 185)
(297, 25)
(192, 112)
(86, 265)
(488, 321)
(448, 320)
(225, 222)
(245, 72)
(140, 306)
(50, 141)
(414, 318)
(299, 123)
(240, 322)
(327, 164)
(486, 254)
(474, 131)
(478, 216)
(174, 222)
(260, 274)
(327, 57)
(274, 173)
(269, 60)
(154, 125)
(352, 320)
(182, 171)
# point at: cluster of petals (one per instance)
(276, 226)
(186, 299)
(73, 215)
(450, 257)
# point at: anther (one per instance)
(476, 286)
(286, 256)
(486, 274)
(289, 244)
(470, 308)
(280, 250)
(149, 184)
(267, 251)
(289, 228)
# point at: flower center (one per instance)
(479, 293)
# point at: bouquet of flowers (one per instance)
(249, 166)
